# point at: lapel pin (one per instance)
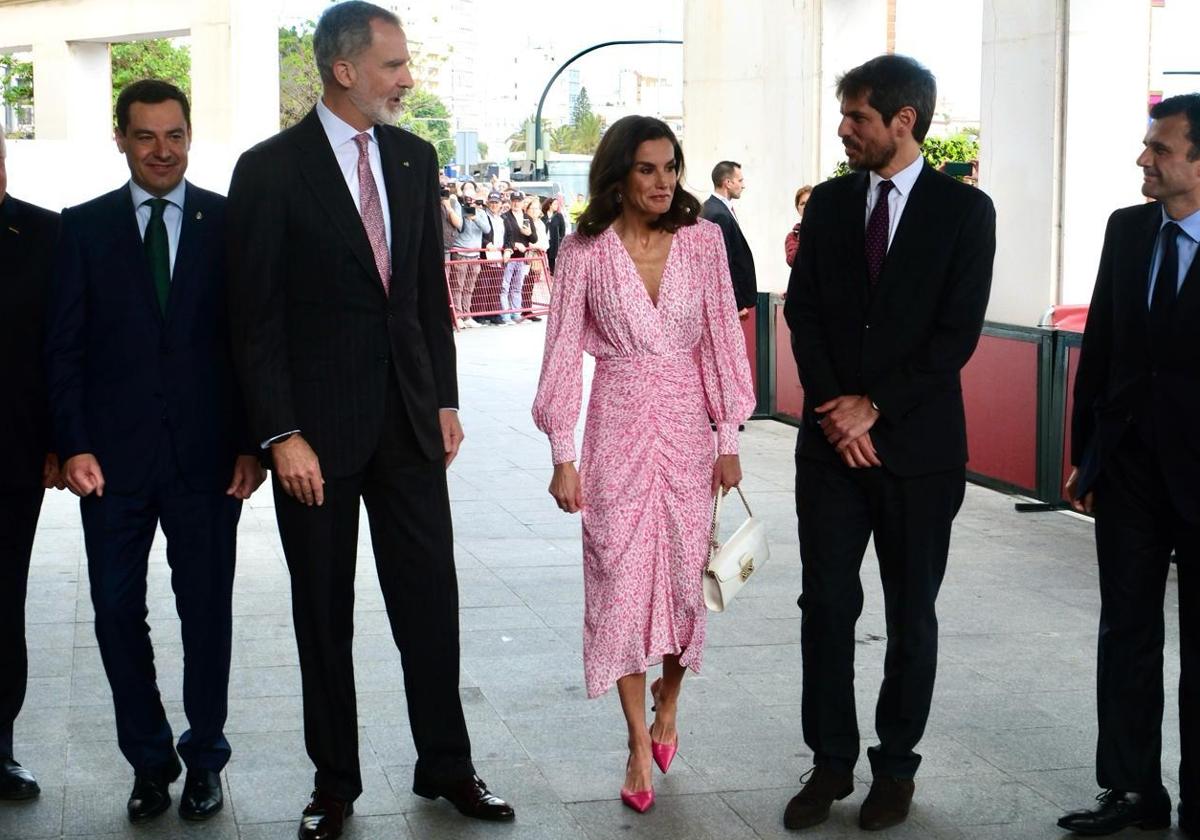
(14, 230)
(405, 163)
(199, 215)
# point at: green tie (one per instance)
(158, 250)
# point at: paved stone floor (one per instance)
(1009, 745)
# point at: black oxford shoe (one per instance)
(471, 797)
(16, 783)
(811, 805)
(1120, 809)
(201, 795)
(151, 793)
(323, 817)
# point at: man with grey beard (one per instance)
(343, 341)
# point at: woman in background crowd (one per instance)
(792, 241)
(556, 226)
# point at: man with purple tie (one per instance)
(885, 304)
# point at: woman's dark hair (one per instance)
(546, 202)
(611, 165)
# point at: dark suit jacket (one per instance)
(118, 371)
(316, 338)
(741, 261)
(905, 343)
(513, 234)
(27, 237)
(1120, 380)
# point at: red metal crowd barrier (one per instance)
(480, 288)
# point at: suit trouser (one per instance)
(408, 508)
(839, 509)
(201, 532)
(19, 511)
(1137, 526)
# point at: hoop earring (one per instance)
(619, 197)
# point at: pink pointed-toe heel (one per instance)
(663, 754)
(639, 800)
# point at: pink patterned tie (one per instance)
(371, 210)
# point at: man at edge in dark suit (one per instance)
(1135, 445)
(28, 467)
(728, 185)
(150, 430)
(885, 304)
(346, 349)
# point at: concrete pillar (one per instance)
(852, 31)
(751, 93)
(235, 72)
(1062, 115)
(72, 91)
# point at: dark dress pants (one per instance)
(19, 509)
(1138, 523)
(839, 509)
(408, 508)
(201, 532)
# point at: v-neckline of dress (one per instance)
(654, 302)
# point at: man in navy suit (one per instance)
(148, 425)
(728, 185)
(1134, 444)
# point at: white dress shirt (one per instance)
(341, 137)
(902, 184)
(172, 214)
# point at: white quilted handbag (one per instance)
(731, 565)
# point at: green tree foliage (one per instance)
(158, 58)
(16, 82)
(483, 150)
(427, 117)
(299, 81)
(517, 141)
(962, 147)
(581, 107)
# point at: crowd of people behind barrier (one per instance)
(500, 246)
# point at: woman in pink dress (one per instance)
(643, 286)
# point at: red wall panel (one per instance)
(1000, 391)
(789, 396)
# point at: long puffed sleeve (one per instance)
(724, 366)
(560, 388)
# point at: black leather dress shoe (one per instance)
(1120, 809)
(152, 792)
(16, 783)
(887, 803)
(324, 817)
(202, 796)
(811, 805)
(471, 797)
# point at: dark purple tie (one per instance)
(877, 233)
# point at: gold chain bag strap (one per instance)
(731, 565)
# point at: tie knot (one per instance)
(1171, 230)
(885, 187)
(362, 140)
(156, 205)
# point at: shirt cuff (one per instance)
(267, 443)
(448, 408)
(562, 446)
(727, 438)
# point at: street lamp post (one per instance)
(539, 160)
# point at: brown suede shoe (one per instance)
(811, 805)
(887, 804)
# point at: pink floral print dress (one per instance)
(662, 372)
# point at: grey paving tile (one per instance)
(36, 819)
(700, 816)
